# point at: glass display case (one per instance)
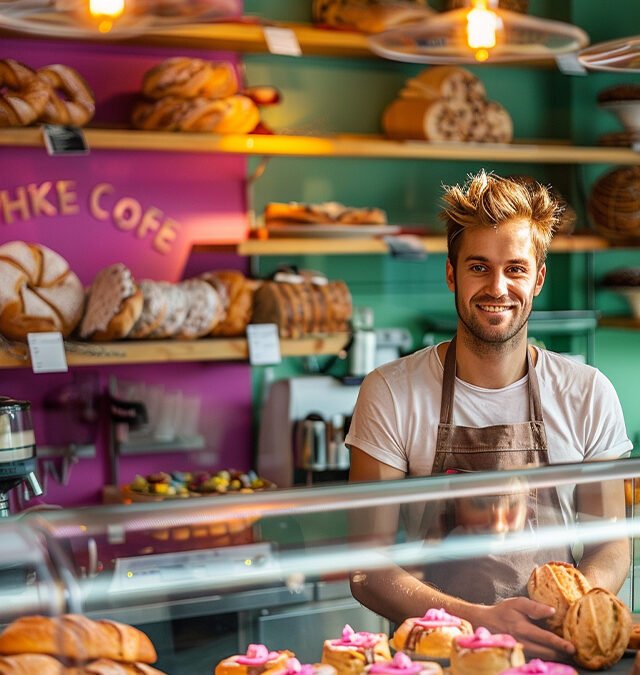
(205, 577)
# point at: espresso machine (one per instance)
(17, 450)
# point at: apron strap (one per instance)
(449, 382)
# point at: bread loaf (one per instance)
(369, 16)
(114, 305)
(240, 291)
(154, 309)
(76, 638)
(31, 664)
(203, 309)
(599, 625)
(559, 585)
(325, 213)
(38, 291)
(110, 667)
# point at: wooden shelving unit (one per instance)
(374, 147)
(376, 245)
(164, 351)
(625, 322)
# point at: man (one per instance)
(448, 407)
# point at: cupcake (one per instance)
(350, 654)
(293, 667)
(485, 654)
(430, 635)
(401, 664)
(538, 667)
(257, 659)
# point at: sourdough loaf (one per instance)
(38, 291)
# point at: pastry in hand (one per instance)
(559, 585)
(430, 635)
(599, 625)
(538, 667)
(484, 653)
(350, 654)
(401, 664)
(257, 659)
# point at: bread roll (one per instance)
(559, 585)
(114, 305)
(190, 78)
(369, 16)
(31, 664)
(599, 625)
(350, 654)
(76, 638)
(38, 291)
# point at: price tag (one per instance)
(47, 353)
(264, 344)
(61, 139)
(282, 41)
(569, 64)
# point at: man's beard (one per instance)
(482, 339)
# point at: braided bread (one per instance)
(190, 78)
(77, 106)
(232, 115)
(25, 97)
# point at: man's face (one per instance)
(495, 280)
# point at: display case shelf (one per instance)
(626, 322)
(165, 351)
(342, 145)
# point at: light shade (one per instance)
(446, 38)
(86, 19)
(616, 56)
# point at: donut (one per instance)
(431, 635)
(114, 304)
(486, 653)
(350, 654)
(71, 100)
(190, 78)
(599, 625)
(25, 94)
(559, 585)
(258, 659)
(38, 291)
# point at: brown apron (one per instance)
(502, 446)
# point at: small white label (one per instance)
(282, 41)
(47, 353)
(264, 344)
(569, 64)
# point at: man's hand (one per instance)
(517, 617)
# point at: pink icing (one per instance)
(438, 617)
(400, 665)
(294, 667)
(483, 638)
(257, 655)
(536, 666)
(352, 639)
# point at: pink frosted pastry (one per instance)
(350, 654)
(403, 665)
(430, 635)
(538, 667)
(257, 659)
(294, 667)
(484, 653)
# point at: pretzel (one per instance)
(25, 97)
(76, 105)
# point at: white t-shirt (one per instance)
(398, 411)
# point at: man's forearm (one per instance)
(607, 565)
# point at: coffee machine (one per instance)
(17, 450)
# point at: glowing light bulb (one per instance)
(482, 24)
(105, 11)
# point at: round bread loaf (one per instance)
(38, 291)
(177, 308)
(240, 292)
(114, 305)
(203, 309)
(559, 585)
(599, 625)
(154, 309)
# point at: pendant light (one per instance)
(477, 33)
(90, 19)
(616, 56)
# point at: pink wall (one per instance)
(203, 194)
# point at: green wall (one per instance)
(333, 95)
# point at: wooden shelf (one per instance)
(331, 146)
(376, 245)
(164, 351)
(626, 322)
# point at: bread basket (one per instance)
(614, 204)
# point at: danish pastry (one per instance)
(190, 78)
(258, 659)
(294, 667)
(484, 653)
(559, 585)
(430, 635)
(350, 654)
(401, 664)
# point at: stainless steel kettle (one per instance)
(310, 443)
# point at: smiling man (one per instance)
(488, 401)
